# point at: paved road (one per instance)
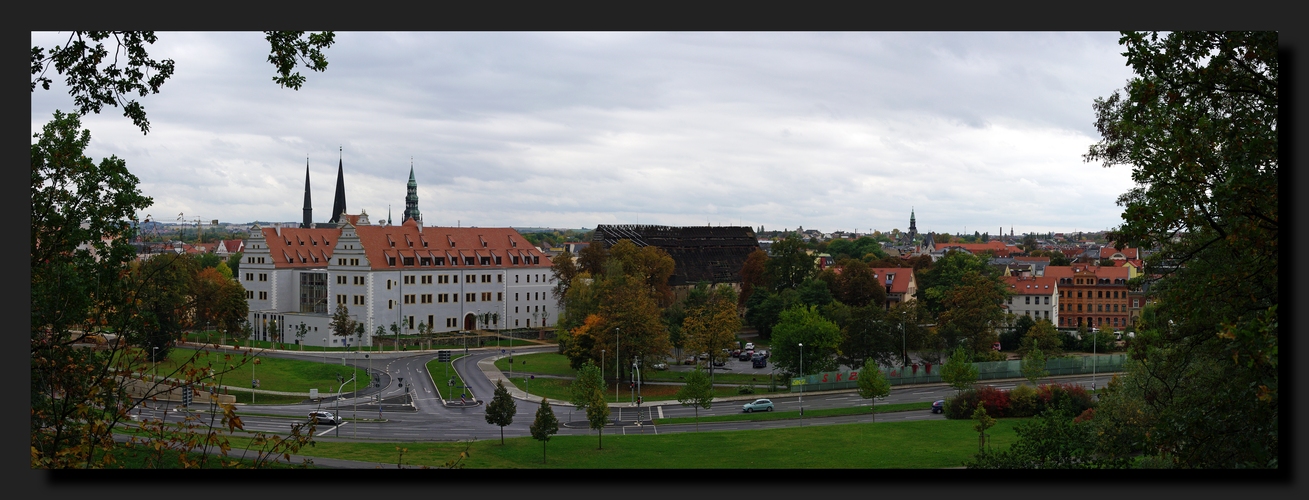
(414, 411)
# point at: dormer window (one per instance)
(468, 261)
(409, 261)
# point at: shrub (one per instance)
(961, 406)
(1023, 401)
(745, 389)
(997, 401)
(1068, 398)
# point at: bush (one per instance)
(1023, 401)
(745, 389)
(1067, 398)
(962, 406)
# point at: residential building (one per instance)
(1035, 297)
(1092, 295)
(901, 286)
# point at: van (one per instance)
(759, 362)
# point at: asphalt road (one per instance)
(427, 419)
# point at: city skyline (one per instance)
(835, 131)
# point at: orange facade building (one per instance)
(1092, 295)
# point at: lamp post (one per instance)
(338, 401)
(802, 378)
(904, 350)
(254, 382)
(154, 364)
(1095, 339)
(617, 330)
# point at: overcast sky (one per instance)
(829, 131)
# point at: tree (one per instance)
(856, 286)
(803, 325)
(589, 380)
(597, 414)
(973, 309)
(342, 325)
(959, 371)
(712, 327)
(871, 335)
(1198, 125)
(1042, 336)
(302, 330)
(234, 263)
(543, 427)
(1034, 365)
(790, 264)
(753, 275)
(873, 385)
(500, 411)
(698, 392)
(944, 275)
(591, 258)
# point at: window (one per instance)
(1099, 294)
(359, 300)
(1079, 308)
(515, 295)
(427, 279)
(443, 298)
(249, 276)
(470, 297)
(486, 278)
(410, 320)
(339, 262)
(515, 276)
(468, 261)
(354, 262)
(340, 299)
(409, 280)
(409, 299)
(486, 296)
(249, 294)
(443, 278)
(430, 321)
(1079, 294)
(499, 278)
(1136, 303)
(449, 322)
(1027, 300)
(359, 280)
(263, 276)
(499, 296)
(454, 279)
(409, 261)
(263, 295)
(390, 304)
(1047, 301)
(515, 309)
(427, 298)
(486, 261)
(388, 284)
(454, 297)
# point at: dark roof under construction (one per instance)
(700, 253)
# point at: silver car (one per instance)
(324, 417)
(758, 405)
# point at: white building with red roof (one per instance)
(901, 286)
(1035, 297)
(405, 274)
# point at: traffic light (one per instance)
(186, 395)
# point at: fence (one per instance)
(930, 374)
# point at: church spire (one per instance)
(338, 204)
(411, 198)
(308, 221)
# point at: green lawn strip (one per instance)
(784, 415)
(908, 445)
(551, 363)
(557, 389)
(720, 377)
(274, 374)
(438, 370)
(129, 456)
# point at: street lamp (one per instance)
(154, 364)
(617, 377)
(802, 383)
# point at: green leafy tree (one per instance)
(872, 385)
(959, 371)
(234, 263)
(1052, 440)
(1033, 365)
(302, 330)
(973, 310)
(500, 411)
(790, 264)
(544, 426)
(935, 284)
(804, 325)
(342, 325)
(984, 422)
(697, 392)
(1043, 336)
(589, 380)
(857, 287)
(712, 327)
(871, 334)
(597, 414)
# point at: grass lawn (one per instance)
(438, 372)
(138, 456)
(274, 374)
(545, 363)
(908, 445)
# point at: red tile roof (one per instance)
(900, 277)
(1031, 286)
(301, 247)
(453, 244)
(1108, 252)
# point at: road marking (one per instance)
(332, 429)
(661, 411)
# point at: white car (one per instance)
(748, 346)
(324, 417)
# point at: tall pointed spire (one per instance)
(309, 209)
(338, 204)
(411, 198)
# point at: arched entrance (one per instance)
(470, 321)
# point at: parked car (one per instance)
(736, 353)
(689, 361)
(660, 366)
(749, 346)
(761, 353)
(759, 362)
(746, 355)
(323, 417)
(758, 405)
(704, 355)
(938, 406)
(719, 362)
